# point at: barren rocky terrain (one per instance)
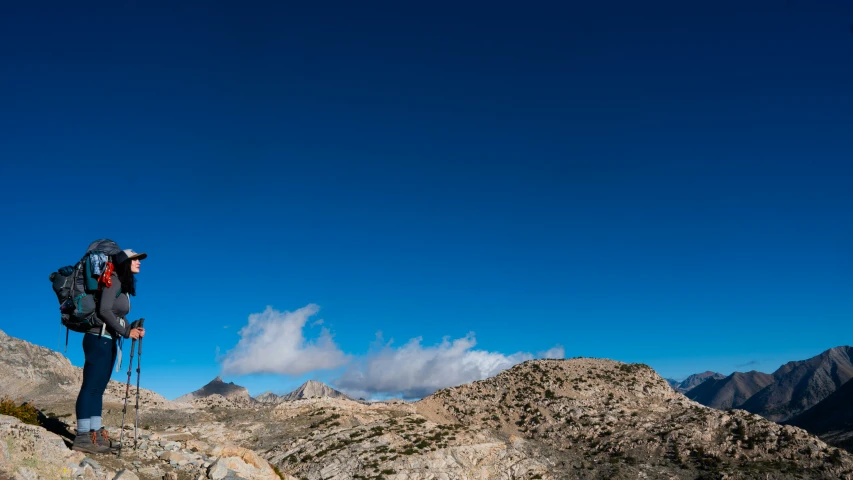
(545, 419)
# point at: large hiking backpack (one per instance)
(78, 288)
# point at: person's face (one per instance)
(134, 265)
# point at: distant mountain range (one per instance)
(730, 392)
(309, 389)
(692, 381)
(789, 391)
(238, 394)
(814, 394)
(799, 386)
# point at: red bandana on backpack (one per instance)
(107, 276)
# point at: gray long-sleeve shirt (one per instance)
(112, 309)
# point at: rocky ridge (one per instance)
(624, 421)
(579, 418)
(33, 371)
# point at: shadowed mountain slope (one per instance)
(801, 385)
(731, 391)
(833, 413)
(832, 418)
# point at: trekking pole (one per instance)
(138, 373)
(126, 395)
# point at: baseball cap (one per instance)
(129, 254)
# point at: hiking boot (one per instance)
(87, 442)
(105, 440)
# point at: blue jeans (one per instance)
(100, 357)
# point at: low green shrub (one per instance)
(23, 411)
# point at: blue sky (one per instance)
(392, 198)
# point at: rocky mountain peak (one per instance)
(314, 389)
(309, 389)
(217, 386)
(267, 397)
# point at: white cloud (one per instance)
(415, 371)
(273, 342)
(554, 352)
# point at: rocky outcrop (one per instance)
(229, 391)
(31, 452)
(28, 451)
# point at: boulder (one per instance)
(242, 462)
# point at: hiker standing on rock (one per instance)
(100, 345)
